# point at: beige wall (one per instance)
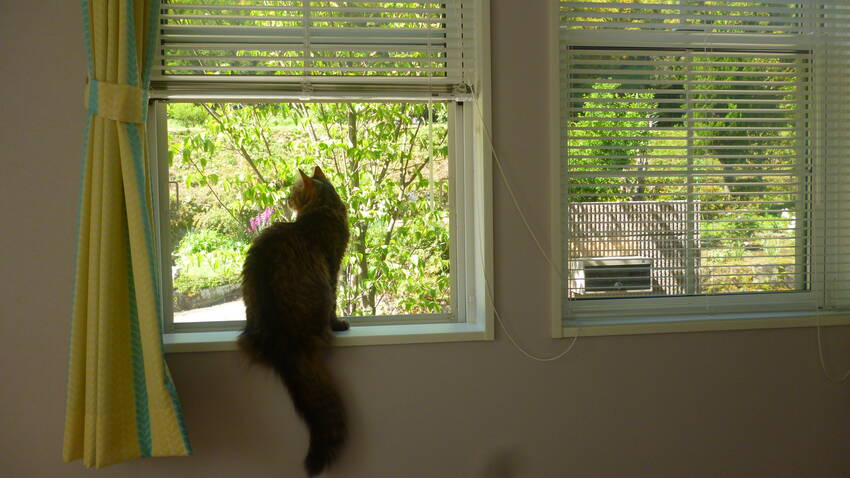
(743, 404)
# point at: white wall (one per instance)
(738, 404)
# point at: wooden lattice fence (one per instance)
(666, 232)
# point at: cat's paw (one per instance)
(339, 325)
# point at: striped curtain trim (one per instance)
(140, 388)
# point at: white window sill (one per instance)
(700, 323)
(178, 342)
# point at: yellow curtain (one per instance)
(121, 402)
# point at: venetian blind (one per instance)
(417, 46)
(703, 149)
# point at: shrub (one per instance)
(187, 114)
(205, 240)
(206, 258)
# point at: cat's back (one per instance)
(286, 282)
(275, 234)
(280, 243)
(284, 256)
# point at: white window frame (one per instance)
(470, 207)
(678, 314)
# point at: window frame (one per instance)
(469, 199)
(640, 315)
(470, 206)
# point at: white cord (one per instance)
(822, 360)
(522, 216)
(520, 348)
(511, 192)
(825, 173)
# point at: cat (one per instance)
(289, 283)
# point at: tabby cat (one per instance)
(289, 285)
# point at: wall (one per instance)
(741, 404)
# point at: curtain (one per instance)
(121, 402)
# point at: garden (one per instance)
(231, 167)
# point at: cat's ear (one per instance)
(307, 182)
(319, 174)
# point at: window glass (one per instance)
(688, 164)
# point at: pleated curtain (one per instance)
(121, 401)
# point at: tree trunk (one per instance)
(367, 295)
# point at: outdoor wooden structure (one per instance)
(664, 232)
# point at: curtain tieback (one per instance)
(115, 101)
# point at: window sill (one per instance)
(700, 323)
(178, 342)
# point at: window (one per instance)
(387, 97)
(701, 159)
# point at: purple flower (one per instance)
(261, 220)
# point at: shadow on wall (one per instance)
(501, 464)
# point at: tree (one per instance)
(388, 161)
(601, 137)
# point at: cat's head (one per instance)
(310, 192)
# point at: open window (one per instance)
(388, 98)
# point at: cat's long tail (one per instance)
(317, 399)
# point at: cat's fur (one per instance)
(289, 285)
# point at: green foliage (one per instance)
(181, 217)
(216, 219)
(204, 240)
(204, 259)
(387, 161)
(746, 241)
(603, 133)
(187, 115)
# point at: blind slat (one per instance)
(326, 45)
